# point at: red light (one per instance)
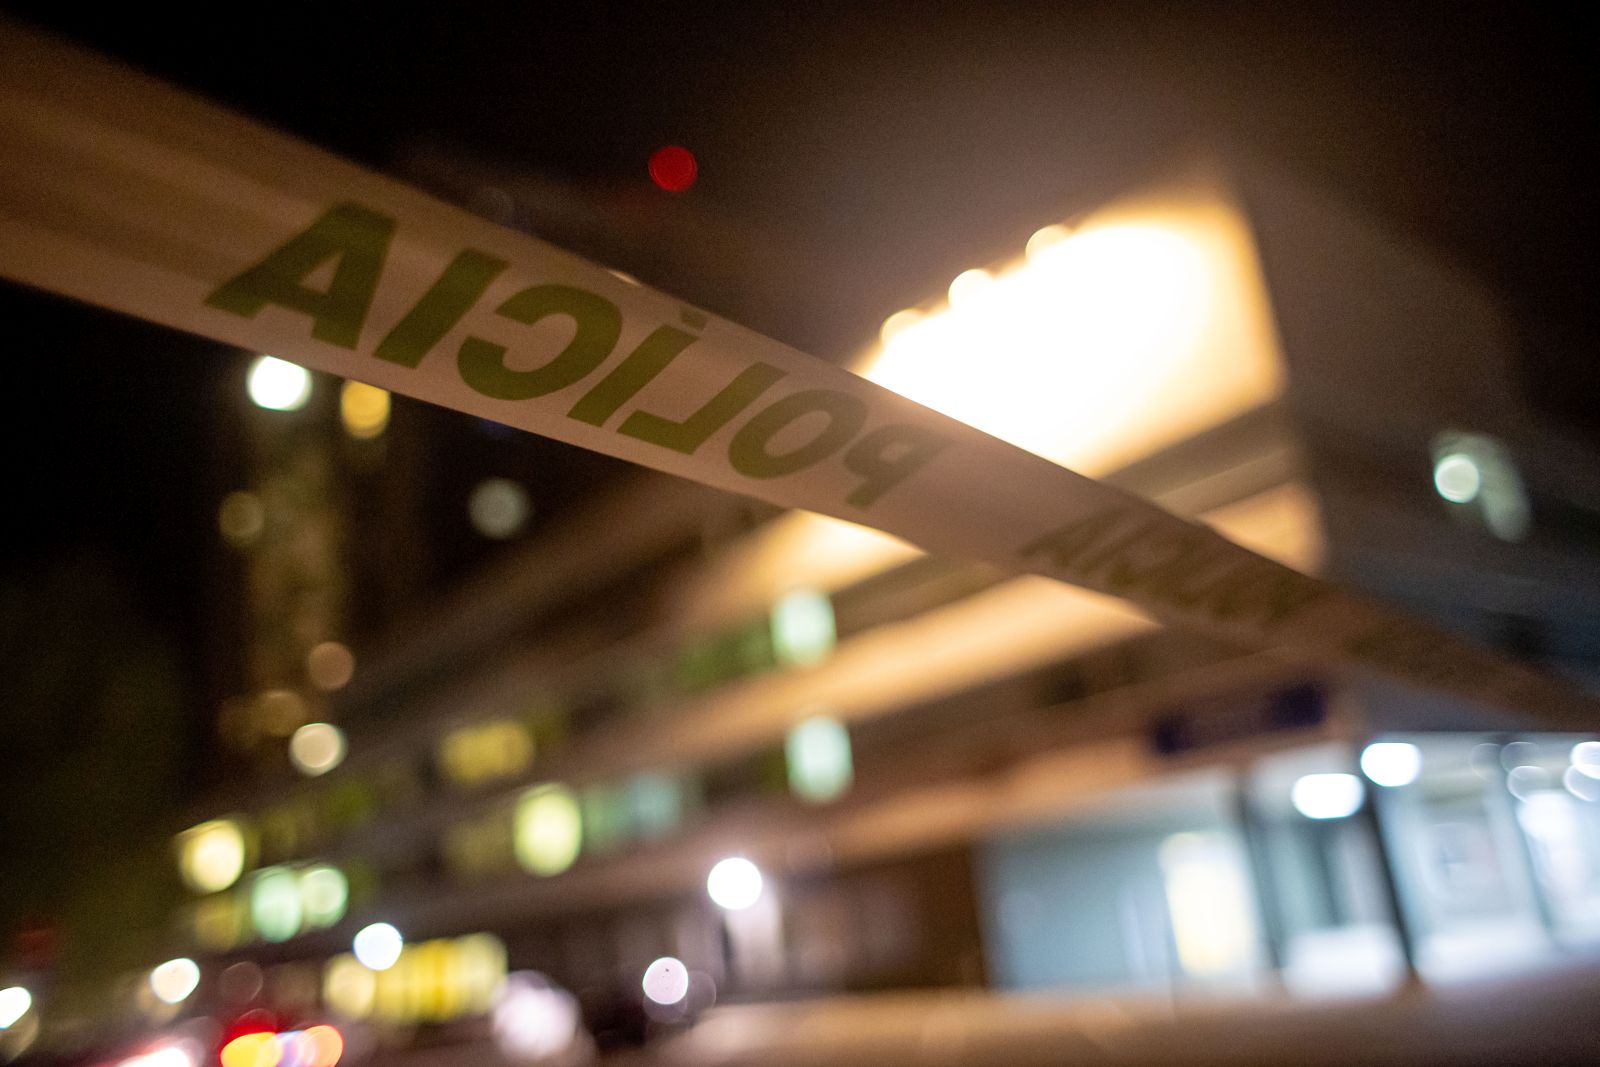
(673, 168)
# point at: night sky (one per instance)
(869, 154)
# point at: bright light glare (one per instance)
(378, 946)
(734, 883)
(666, 981)
(1327, 796)
(900, 320)
(364, 409)
(968, 284)
(1457, 478)
(165, 1056)
(278, 385)
(211, 855)
(1060, 354)
(1586, 758)
(14, 1004)
(316, 748)
(1392, 763)
(173, 981)
(1045, 239)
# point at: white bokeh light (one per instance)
(278, 385)
(316, 748)
(535, 1022)
(1586, 758)
(734, 883)
(378, 947)
(173, 981)
(1457, 478)
(1327, 796)
(666, 981)
(1392, 763)
(14, 1004)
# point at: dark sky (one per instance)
(867, 152)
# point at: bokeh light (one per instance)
(666, 981)
(673, 168)
(330, 666)
(1457, 478)
(1391, 763)
(817, 753)
(211, 856)
(548, 829)
(278, 385)
(324, 893)
(734, 884)
(1327, 796)
(14, 1004)
(252, 1050)
(803, 627)
(275, 904)
(364, 409)
(241, 517)
(968, 285)
(173, 981)
(316, 748)
(378, 946)
(316, 1046)
(535, 1022)
(499, 508)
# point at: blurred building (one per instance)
(945, 776)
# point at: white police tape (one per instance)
(123, 192)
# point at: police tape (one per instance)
(123, 192)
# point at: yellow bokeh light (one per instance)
(348, 987)
(364, 409)
(549, 829)
(252, 1050)
(211, 856)
(969, 285)
(486, 752)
